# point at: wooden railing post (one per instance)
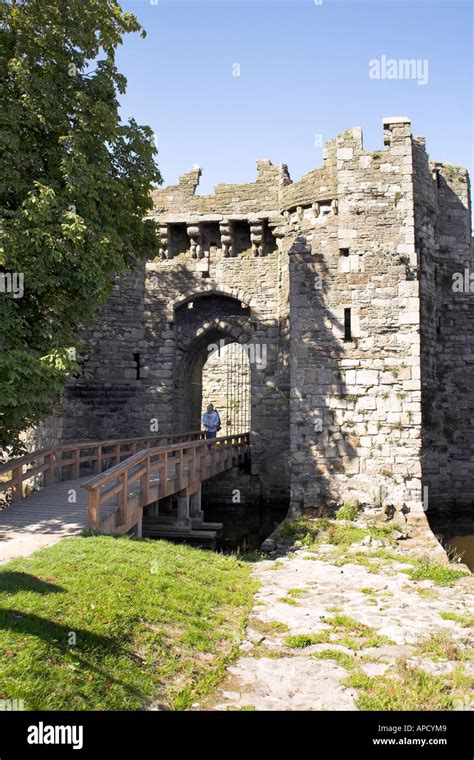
(192, 466)
(122, 498)
(178, 470)
(49, 472)
(203, 456)
(17, 477)
(213, 458)
(145, 483)
(94, 508)
(75, 468)
(98, 461)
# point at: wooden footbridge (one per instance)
(149, 485)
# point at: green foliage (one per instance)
(296, 592)
(268, 627)
(467, 621)
(303, 529)
(288, 600)
(341, 658)
(75, 186)
(345, 535)
(152, 620)
(425, 569)
(303, 640)
(406, 689)
(341, 622)
(349, 511)
(442, 646)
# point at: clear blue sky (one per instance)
(304, 71)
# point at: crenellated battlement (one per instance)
(399, 174)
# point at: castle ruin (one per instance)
(339, 286)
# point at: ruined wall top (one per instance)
(274, 192)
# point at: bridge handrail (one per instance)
(98, 480)
(120, 476)
(51, 462)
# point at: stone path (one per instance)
(41, 519)
(300, 594)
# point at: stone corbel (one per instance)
(316, 209)
(334, 206)
(164, 241)
(227, 238)
(194, 233)
(278, 231)
(257, 238)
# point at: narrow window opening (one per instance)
(347, 325)
(136, 359)
(344, 251)
(438, 179)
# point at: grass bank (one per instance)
(103, 623)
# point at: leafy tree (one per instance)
(75, 187)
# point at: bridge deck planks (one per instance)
(49, 511)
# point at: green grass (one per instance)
(341, 622)
(375, 639)
(440, 646)
(266, 628)
(467, 621)
(344, 535)
(313, 532)
(425, 569)
(392, 556)
(305, 530)
(355, 635)
(425, 593)
(350, 642)
(357, 558)
(349, 511)
(288, 600)
(113, 624)
(407, 689)
(341, 658)
(303, 640)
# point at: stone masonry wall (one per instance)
(355, 399)
(444, 244)
(339, 288)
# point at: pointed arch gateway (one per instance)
(213, 364)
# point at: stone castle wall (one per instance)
(356, 404)
(338, 287)
(447, 330)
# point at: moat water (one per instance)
(244, 527)
(457, 537)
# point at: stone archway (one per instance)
(226, 383)
(199, 333)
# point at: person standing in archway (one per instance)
(211, 421)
